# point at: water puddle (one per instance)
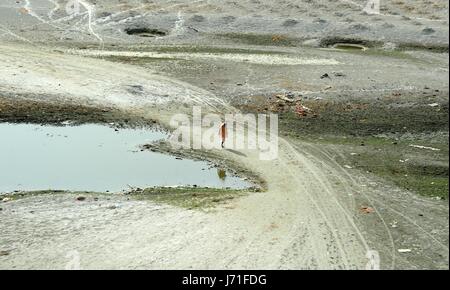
(95, 158)
(349, 47)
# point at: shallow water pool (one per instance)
(95, 158)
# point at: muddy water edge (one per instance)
(34, 111)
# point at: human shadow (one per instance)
(236, 152)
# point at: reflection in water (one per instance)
(222, 174)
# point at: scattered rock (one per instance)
(81, 198)
(6, 199)
(433, 105)
(325, 75)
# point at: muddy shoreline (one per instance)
(31, 111)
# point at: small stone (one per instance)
(81, 198)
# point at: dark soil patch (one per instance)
(374, 134)
(18, 110)
(145, 32)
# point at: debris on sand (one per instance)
(4, 253)
(424, 147)
(288, 97)
(23, 11)
(366, 209)
(433, 105)
(301, 110)
(6, 199)
(404, 250)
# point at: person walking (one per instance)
(223, 133)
